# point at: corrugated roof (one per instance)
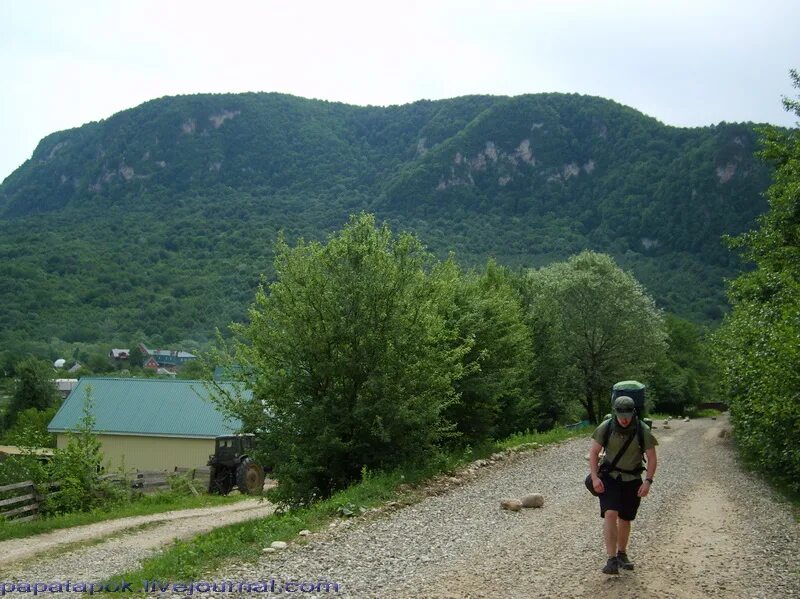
(166, 352)
(157, 407)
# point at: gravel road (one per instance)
(708, 529)
(97, 551)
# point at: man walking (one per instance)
(617, 479)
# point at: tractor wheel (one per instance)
(250, 477)
(220, 481)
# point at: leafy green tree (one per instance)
(34, 388)
(135, 356)
(29, 433)
(349, 358)
(685, 374)
(194, 369)
(78, 468)
(99, 362)
(604, 325)
(495, 398)
(30, 428)
(757, 346)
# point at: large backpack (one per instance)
(633, 389)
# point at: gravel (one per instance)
(97, 551)
(707, 529)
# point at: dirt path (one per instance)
(708, 529)
(102, 548)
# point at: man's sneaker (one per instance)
(624, 562)
(611, 566)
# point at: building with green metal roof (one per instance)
(148, 424)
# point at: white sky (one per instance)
(67, 62)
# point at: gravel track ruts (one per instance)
(112, 546)
(708, 529)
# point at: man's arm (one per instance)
(594, 452)
(652, 464)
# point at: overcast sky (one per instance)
(689, 63)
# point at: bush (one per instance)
(756, 348)
(78, 467)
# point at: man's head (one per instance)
(624, 410)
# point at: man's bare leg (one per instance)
(623, 534)
(610, 532)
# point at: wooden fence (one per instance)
(24, 493)
(21, 501)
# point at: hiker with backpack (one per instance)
(617, 479)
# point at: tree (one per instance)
(78, 467)
(684, 376)
(495, 398)
(349, 359)
(34, 388)
(603, 325)
(30, 428)
(135, 356)
(193, 369)
(756, 348)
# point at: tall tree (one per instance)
(603, 325)
(757, 346)
(349, 358)
(684, 376)
(34, 388)
(495, 397)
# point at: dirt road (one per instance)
(708, 529)
(102, 549)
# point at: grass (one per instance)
(243, 542)
(149, 504)
(707, 413)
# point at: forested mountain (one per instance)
(158, 222)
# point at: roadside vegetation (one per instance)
(757, 345)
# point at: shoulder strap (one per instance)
(640, 434)
(621, 452)
(607, 432)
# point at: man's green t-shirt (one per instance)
(633, 455)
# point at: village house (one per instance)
(147, 424)
(166, 358)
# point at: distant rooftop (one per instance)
(150, 407)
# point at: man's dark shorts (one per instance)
(620, 497)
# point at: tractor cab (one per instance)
(230, 447)
(233, 464)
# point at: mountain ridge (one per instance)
(192, 190)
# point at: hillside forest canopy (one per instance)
(158, 223)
